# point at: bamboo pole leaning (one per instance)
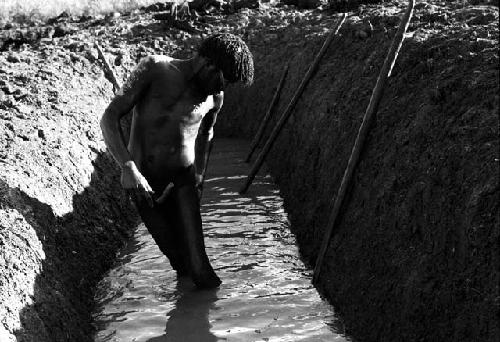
(284, 117)
(126, 121)
(107, 68)
(267, 116)
(363, 132)
(202, 185)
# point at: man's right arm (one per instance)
(122, 103)
(125, 99)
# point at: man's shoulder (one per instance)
(159, 60)
(159, 63)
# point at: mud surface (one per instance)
(266, 293)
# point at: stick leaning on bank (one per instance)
(267, 116)
(288, 111)
(377, 93)
(108, 70)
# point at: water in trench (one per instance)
(266, 294)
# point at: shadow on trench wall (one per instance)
(78, 248)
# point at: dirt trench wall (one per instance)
(415, 255)
(62, 213)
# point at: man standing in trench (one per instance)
(175, 105)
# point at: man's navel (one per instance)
(163, 152)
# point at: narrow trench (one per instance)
(266, 293)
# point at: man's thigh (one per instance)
(178, 208)
(187, 207)
(160, 219)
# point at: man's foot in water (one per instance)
(206, 280)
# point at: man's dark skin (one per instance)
(175, 105)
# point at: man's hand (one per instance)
(165, 193)
(134, 182)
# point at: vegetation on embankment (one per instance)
(415, 256)
(35, 11)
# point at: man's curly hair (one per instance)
(230, 54)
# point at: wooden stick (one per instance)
(210, 147)
(126, 120)
(267, 116)
(107, 68)
(284, 117)
(363, 132)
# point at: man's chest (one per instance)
(183, 107)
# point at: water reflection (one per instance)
(188, 320)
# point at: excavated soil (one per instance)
(415, 256)
(62, 217)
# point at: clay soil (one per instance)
(415, 256)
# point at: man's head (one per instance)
(229, 57)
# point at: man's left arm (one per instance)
(205, 135)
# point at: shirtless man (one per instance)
(175, 105)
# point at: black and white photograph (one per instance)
(249, 171)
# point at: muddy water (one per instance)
(266, 293)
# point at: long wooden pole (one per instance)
(267, 116)
(284, 117)
(126, 120)
(107, 68)
(210, 147)
(363, 132)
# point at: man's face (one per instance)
(210, 78)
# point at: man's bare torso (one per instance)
(165, 123)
